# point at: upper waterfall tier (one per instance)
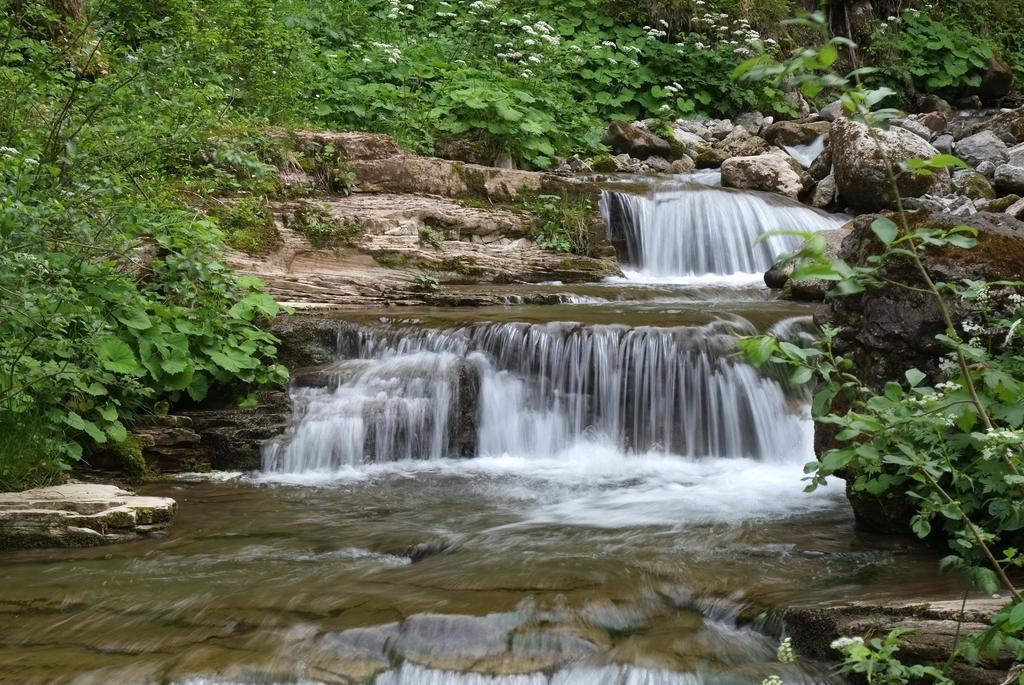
(537, 389)
(696, 229)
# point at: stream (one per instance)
(597, 492)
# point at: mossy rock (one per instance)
(1001, 204)
(604, 164)
(130, 459)
(973, 185)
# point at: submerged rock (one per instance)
(79, 515)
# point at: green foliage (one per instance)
(995, 21)
(939, 57)
(876, 663)
(562, 224)
(952, 447)
(432, 237)
(249, 225)
(324, 231)
(114, 296)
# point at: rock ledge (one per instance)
(79, 515)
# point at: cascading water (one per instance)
(699, 230)
(536, 389)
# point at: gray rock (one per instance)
(1016, 210)
(796, 132)
(1009, 178)
(832, 111)
(752, 121)
(981, 147)
(688, 140)
(657, 164)
(917, 128)
(720, 128)
(742, 143)
(944, 144)
(772, 172)
(628, 139)
(860, 167)
(683, 165)
(79, 515)
(824, 194)
(1008, 126)
(1015, 155)
(987, 169)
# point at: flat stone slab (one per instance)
(79, 515)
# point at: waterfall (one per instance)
(807, 153)
(699, 230)
(536, 389)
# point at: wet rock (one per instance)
(230, 436)
(1009, 178)
(890, 329)
(657, 164)
(626, 138)
(981, 147)
(860, 165)
(429, 548)
(773, 173)
(825, 193)
(791, 133)
(683, 165)
(708, 157)
(937, 624)
(822, 164)
(79, 515)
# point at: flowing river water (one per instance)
(599, 492)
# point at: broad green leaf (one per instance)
(116, 356)
(886, 229)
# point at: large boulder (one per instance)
(859, 157)
(981, 147)
(997, 80)
(773, 173)
(889, 329)
(636, 142)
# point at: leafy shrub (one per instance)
(563, 224)
(939, 58)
